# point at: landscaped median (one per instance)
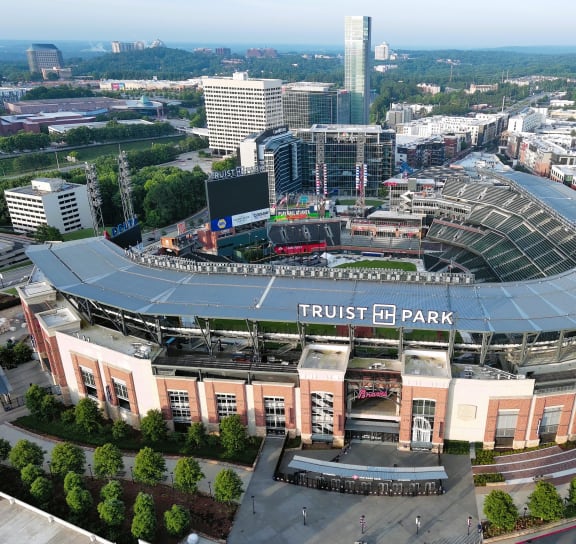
(151, 502)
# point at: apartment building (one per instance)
(49, 201)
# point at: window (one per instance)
(180, 406)
(550, 421)
(322, 413)
(506, 423)
(121, 392)
(275, 417)
(226, 404)
(89, 383)
(423, 411)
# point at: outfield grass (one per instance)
(78, 235)
(392, 265)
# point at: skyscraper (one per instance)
(357, 30)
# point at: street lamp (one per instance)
(362, 523)
(132, 473)
(304, 514)
(417, 524)
(210, 488)
(525, 510)
(469, 523)
(253, 507)
(90, 469)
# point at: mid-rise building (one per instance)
(382, 51)
(44, 55)
(357, 30)
(526, 120)
(123, 47)
(239, 106)
(280, 152)
(49, 201)
(338, 158)
(305, 104)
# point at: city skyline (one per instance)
(253, 22)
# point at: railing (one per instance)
(356, 274)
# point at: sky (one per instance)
(424, 24)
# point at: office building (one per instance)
(382, 51)
(337, 158)
(357, 31)
(43, 55)
(280, 152)
(305, 104)
(49, 201)
(239, 106)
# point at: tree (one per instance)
(46, 233)
(227, 486)
(24, 453)
(72, 480)
(149, 466)
(51, 407)
(120, 429)
(144, 520)
(107, 461)
(196, 435)
(29, 474)
(545, 502)
(87, 415)
(153, 426)
(177, 520)
(41, 490)
(33, 399)
(22, 353)
(79, 500)
(187, 474)
(67, 457)
(233, 434)
(500, 510)
(5, 448)
(112, 490)
(112, 512)
(571, 491)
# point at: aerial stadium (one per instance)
(478, 346)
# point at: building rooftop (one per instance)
(426, 363)
(325, 357)
(24, 523)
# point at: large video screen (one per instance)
(289, 233)
(238, 200)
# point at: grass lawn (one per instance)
(91, 153)
(393, 265)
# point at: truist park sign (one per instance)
(385, 315)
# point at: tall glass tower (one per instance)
(357, 30)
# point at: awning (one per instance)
(361, 472)
(371, 425)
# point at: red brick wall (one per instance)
(410, 393)
(174, 384)
(494, 405)
(287, 393)
(214, 388)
